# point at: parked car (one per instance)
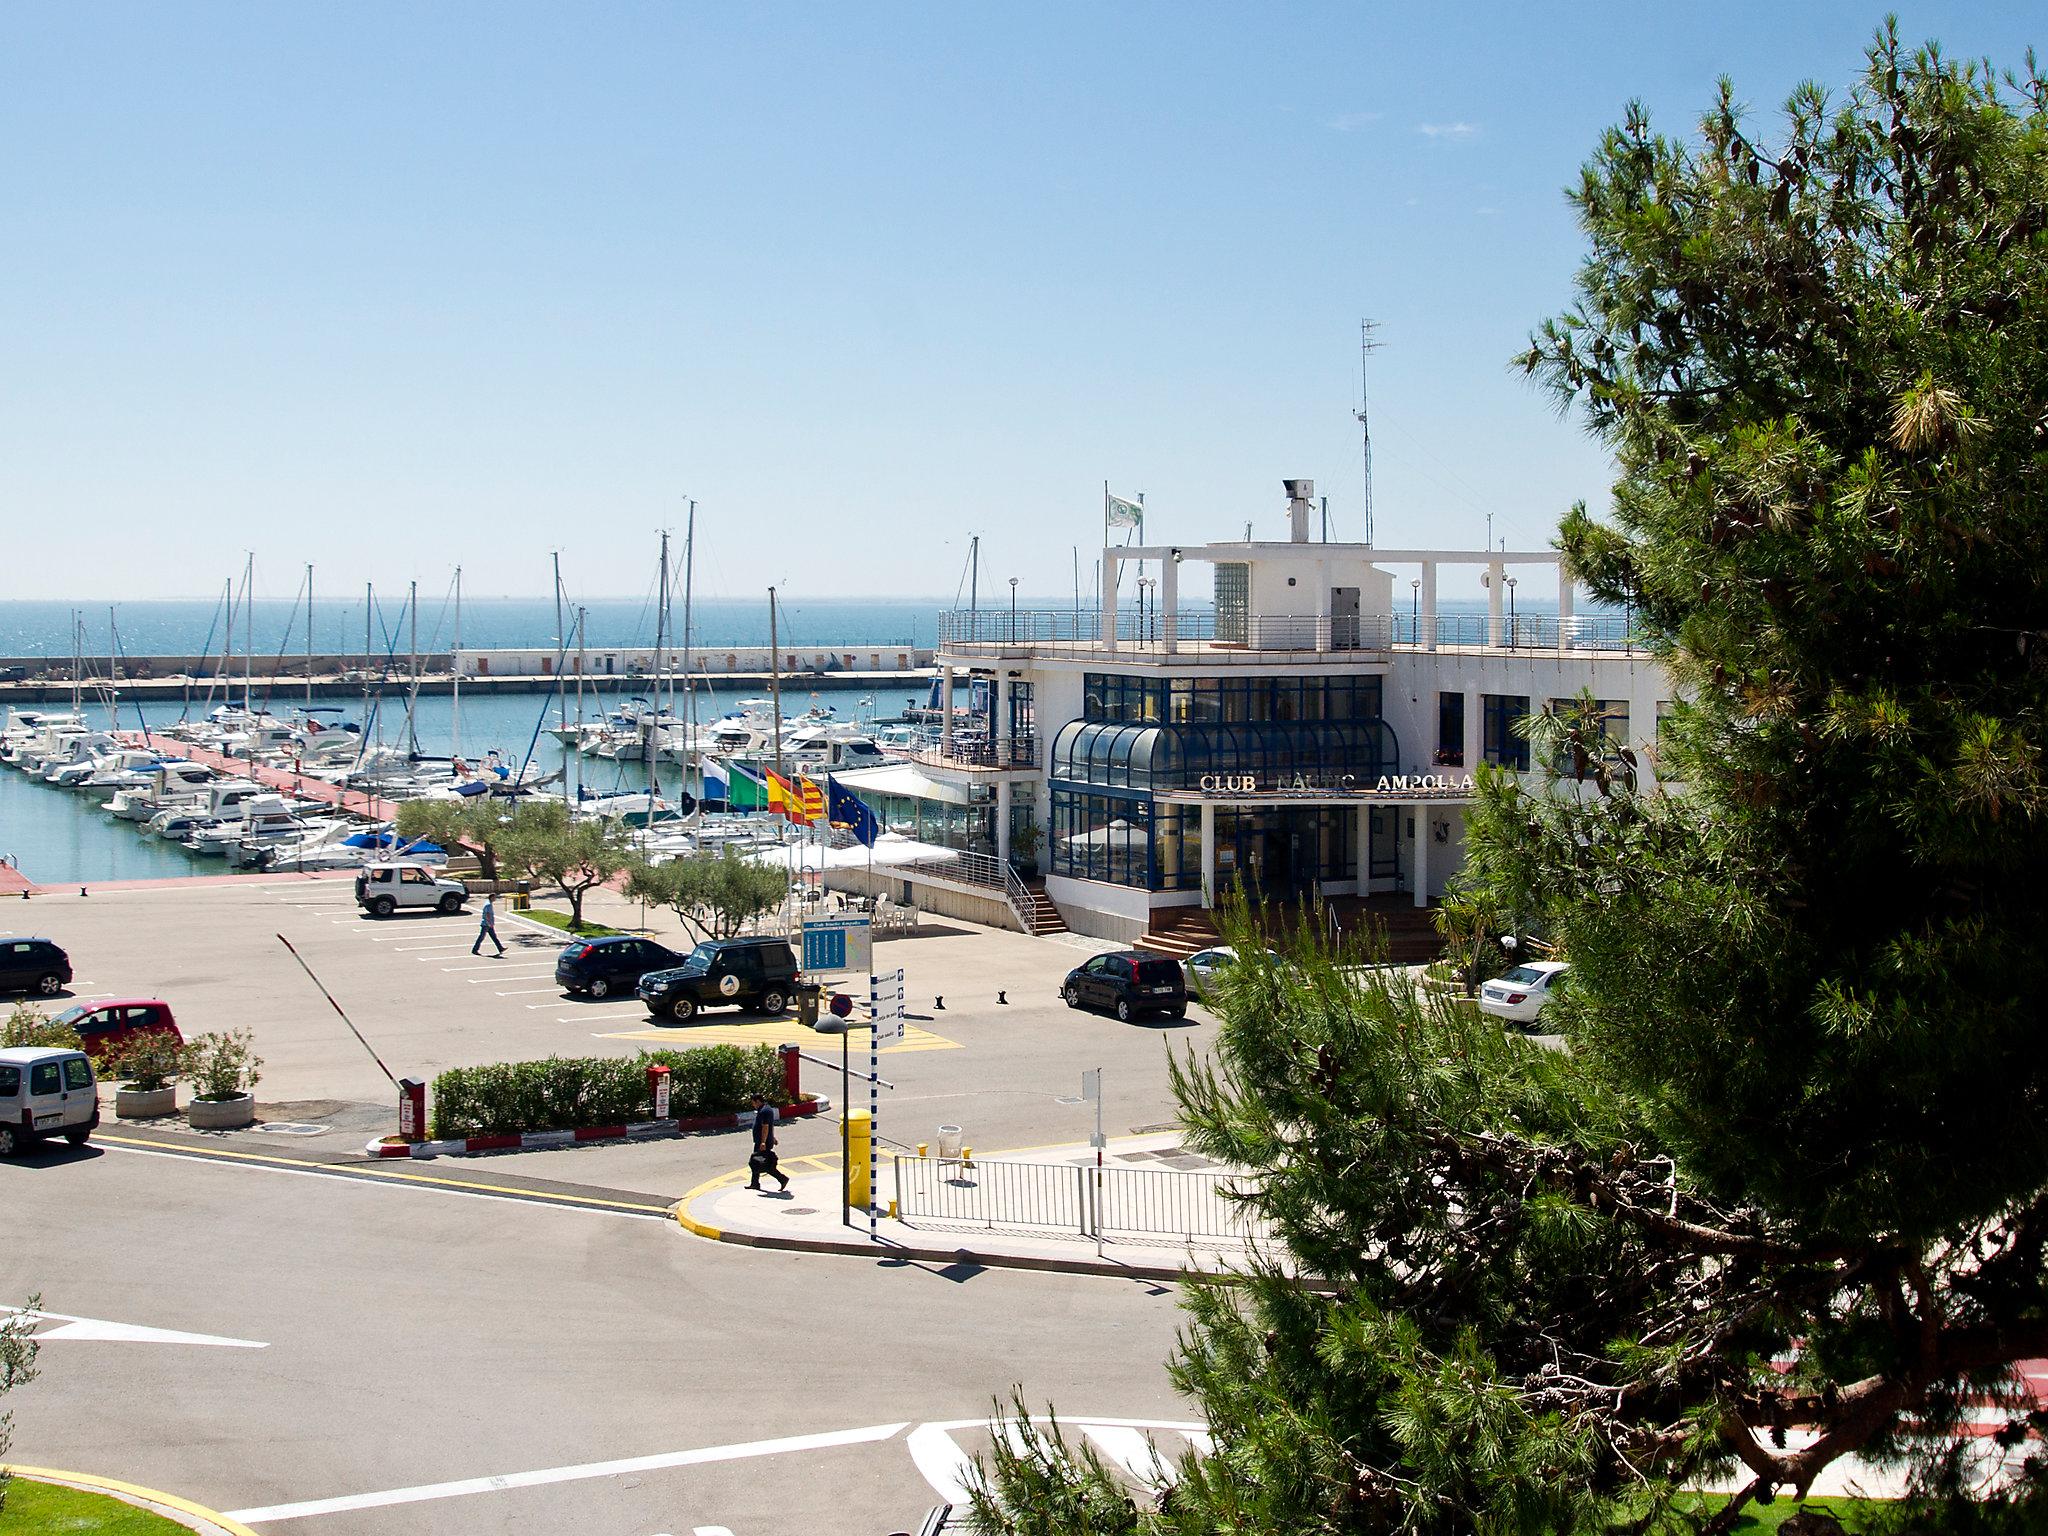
(33, 965)
(601, 967)
(1128, 983)
(106, 1027)
(385, 888)
(46, 1092)
(1521, 995)
(1205, 967)
(744, 973)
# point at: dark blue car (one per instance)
(600, 967)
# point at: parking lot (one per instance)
(1006, 1070)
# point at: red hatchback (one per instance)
(106, 1027)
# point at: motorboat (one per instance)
(25, 723)
(34, 752)
(127, 768)
(74, 763)
(172, 782)
(264, 819)
(222, 800)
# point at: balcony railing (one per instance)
(1016, 751)
(1214, 638)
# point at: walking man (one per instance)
(763, 1159)
(488, 928)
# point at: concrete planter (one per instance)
(222, 1114)
(144, 1103)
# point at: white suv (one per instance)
(384, 888)
(46, 1091)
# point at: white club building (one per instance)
(1311, 732)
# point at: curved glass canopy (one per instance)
(1116, 755)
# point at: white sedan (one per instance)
(1520, 995)
(1205, 967)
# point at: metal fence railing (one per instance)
(1161, 1205)
(1223, 637)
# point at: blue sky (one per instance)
(392, 287)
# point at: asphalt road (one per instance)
(439, 1359)
(1008, 1072)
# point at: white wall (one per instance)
(1409, 702)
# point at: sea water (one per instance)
(65, 837)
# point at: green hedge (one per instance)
(567, 1093)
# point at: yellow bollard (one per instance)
(892, 1211)
(854, 1134)
(923, 1149)
(967, 1157)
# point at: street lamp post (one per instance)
(1511, 613)
(1013, 610)
(1415, 609)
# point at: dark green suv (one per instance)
(743, 973)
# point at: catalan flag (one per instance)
(813, 800)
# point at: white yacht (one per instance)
(172, 782)
(76, 752)
(265, 818)
(122, 768)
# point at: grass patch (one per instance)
(1758, 1519)
(554, 919)
(48, 1510)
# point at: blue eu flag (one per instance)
(843, 808)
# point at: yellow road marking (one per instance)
(374, 1171)
(135, 1491)
(683, 1036)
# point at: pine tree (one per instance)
(1787, 1198)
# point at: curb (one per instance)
(641, 1130)
(889, 1250)
(209, 1522)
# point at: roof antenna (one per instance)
(1368, 343)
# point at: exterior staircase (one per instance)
(1179, 932)
(1405, 931)
(1042, 916)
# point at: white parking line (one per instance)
(414, 949)
(510, 973)
(589, 1469)
(597, 1013)
(532, 992)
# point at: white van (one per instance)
(46, 1091)
(385, 888)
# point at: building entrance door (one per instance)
(1344, 627)
(1278, 854)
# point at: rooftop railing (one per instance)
(1210, 637)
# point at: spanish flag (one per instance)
(784, 799)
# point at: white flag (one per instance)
(1126, 514)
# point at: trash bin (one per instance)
(807, 1005)
(949, 1141)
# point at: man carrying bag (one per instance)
(763, 1159)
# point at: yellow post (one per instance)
(854, 1135)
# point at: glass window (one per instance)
(1499, 743)
(77, 1072)
(42, 1077)
(10, 1082)
(1233, 601)
(1450, 730)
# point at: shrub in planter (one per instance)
(573, 1093)
(148, 1062)
(145, 1069)
(222, 1066)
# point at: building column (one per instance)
(1003, 821)
(1169, 603)
(1427, 639)
(1208, 853)
(1422, 854)
(1109, 564)
(946, 711)
(1475, 745)
(1000, 724)
(1496, 602)
(1564, 605)
(1362, 848)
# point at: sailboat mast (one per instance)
(113, 673)
(309, 634)
(689, 686)
(651, 728)
(973, 574)
(412, 703)
(775, 678)
(455, 666)
(582, 666)
(369, 606)
(249, 637)
(562, 713)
